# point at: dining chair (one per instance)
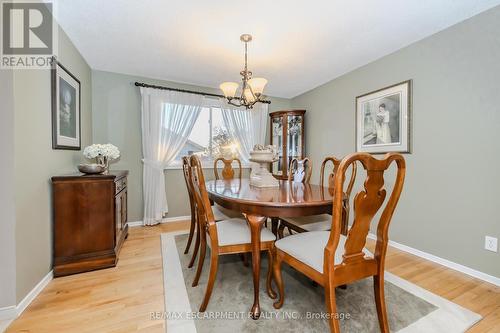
(300, 170)
(218, 215)
(323, 222)
(231, 236)
(227, 170)
(332, 259)
(228, 173)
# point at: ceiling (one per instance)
(298, 44)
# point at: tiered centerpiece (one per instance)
(264, 156)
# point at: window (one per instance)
(208, 137)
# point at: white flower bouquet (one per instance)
(103, 153)
(107, 150)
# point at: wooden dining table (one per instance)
(258, 204)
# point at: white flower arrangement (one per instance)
(105, 150)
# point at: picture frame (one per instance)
(66, 108)
(383, 120)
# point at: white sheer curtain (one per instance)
(247, 127)
(168, 118)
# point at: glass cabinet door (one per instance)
(287, 134)
(294, 137)
(277, 140)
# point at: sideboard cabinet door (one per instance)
(118, 216)
(124, 212)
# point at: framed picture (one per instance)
(383, 120)
(66, 126)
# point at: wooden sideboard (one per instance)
(90, 221)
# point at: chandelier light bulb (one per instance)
(249, 97)
(257, 84)
(229, 89)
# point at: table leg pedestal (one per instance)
(255, 222)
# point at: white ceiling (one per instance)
(298, 44)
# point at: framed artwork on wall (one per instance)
(383, 120)
(66, 102)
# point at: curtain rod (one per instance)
(145, 85)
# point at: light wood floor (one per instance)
(121, 299)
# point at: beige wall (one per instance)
(450, 198)
(7, 204)
(36, 161)
(116, 116)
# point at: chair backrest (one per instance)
(331, 175)
(227, 170)
(331, 184)
(300, 171)
(367, 203)
(200, 194)
(188, 180)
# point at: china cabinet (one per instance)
(287, 134)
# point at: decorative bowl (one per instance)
(263, 156)
(91, 169)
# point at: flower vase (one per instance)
(104, 161)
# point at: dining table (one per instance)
(289, 199)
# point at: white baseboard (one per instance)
(135, 224)
(12, 312)
(34, 292)
(8, 313)
(176, 219)
(165, 220)
(444, 262)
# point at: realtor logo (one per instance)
(28, 34)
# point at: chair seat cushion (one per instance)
(224, 213)
(321, 222)
(236, 231)
(309, 248)
(218, 214)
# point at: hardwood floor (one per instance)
(121, 299)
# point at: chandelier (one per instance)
(251, 91)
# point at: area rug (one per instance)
(410, 308)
